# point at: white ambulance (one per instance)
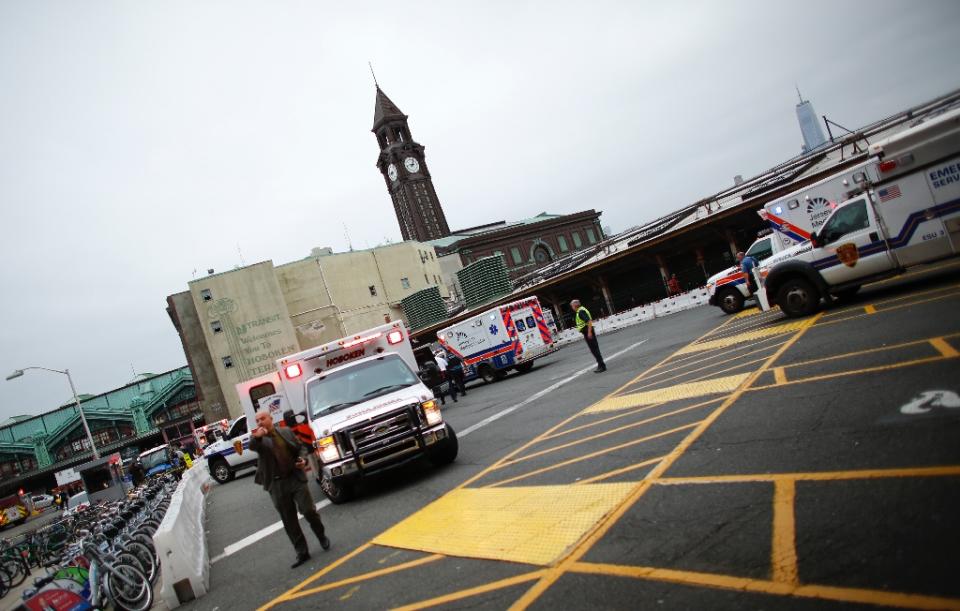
(507, 337)
(910, 216)
(364, 402)
(794, 217)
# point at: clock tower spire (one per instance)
(404, 169)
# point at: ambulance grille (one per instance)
(383, 437)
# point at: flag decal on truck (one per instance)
(891, 192)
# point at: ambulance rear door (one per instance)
(262, 392)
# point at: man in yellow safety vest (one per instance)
(584, 324)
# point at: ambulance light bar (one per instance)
(360, 340)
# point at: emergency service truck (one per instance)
(507, 337)
(228, 454)
(13, 510)
(794, 217)
(365, 404)
(911, 215)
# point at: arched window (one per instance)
(541, 255)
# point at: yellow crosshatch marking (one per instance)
(534, 525)
(671, 393)
(739, 338)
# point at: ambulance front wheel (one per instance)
(446, 451)
(221, 472)
(798, 297)
(730, 301)
(337, 491)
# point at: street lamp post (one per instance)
(83, 419)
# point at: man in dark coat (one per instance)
(280, 471)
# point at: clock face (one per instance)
(392, 171)
(412, 165)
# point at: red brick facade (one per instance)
(532, 244)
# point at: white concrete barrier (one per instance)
(181, 542)
(664, 307)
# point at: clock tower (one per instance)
(405, 171)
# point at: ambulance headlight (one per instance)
(327, 448)
(431, 411)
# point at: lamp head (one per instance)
(16, 374)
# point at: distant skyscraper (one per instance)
(813, 137)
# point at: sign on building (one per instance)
(67, 476)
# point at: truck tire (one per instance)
(798, 297)
(730, 301)
(525, 367)
(446, 452)
(337, 493)
(487, 373)
(220, 471)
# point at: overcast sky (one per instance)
(143, 142)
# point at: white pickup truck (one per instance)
(364, 402)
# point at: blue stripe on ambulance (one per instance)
(903, 238)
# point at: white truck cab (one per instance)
(364, 402)
(370, 415)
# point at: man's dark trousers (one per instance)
(288, 495)
(594, 348)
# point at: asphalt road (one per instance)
(721, 462)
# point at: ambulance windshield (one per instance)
(358, 383)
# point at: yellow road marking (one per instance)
(814, 476)
(854, 372)
(487, 587)
(834, 321)
(596, 423)
(945, 349)
(746, 313)
(670, 393)
(565, 463)
(533, 525)
(350, 593)
(607, 433)
(696, 359)
(762, 586)
(869, 309)
(711, 367)
(783, 554)
(848, 355)
(888, 300)
(739, 338)
(388, 557)
(619, 471)
(601, 528)
(619, 416)
(316, 576)
(364, 577)
(779, 375)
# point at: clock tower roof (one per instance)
(384, 109)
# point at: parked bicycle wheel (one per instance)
(146, 557)
(129, 589)
(16, 568)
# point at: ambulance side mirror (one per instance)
(815, 240)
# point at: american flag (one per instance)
(889, 193)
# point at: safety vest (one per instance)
(582, 322)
